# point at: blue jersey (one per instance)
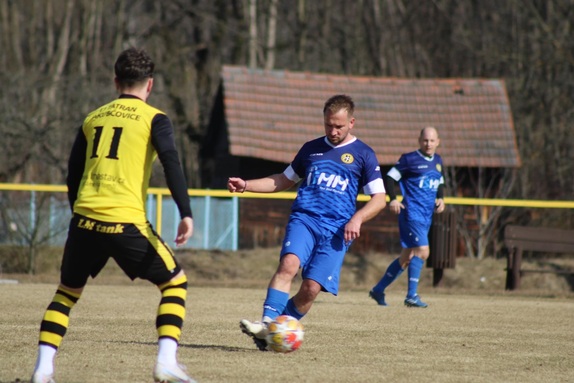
(419, 178)
(332, 178)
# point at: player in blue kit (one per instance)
(421, 180)
(324, 220)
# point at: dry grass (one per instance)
(473, 330)
(253, 268)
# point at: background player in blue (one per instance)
(420, 177)
(324, 220)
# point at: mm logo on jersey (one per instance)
(347, 158)
(438, 167)
(331, 181)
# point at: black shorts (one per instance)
(137, 249)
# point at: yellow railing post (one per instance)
(158, 212)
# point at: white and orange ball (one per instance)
(285, 334)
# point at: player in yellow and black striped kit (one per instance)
(108, 177)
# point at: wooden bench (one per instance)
(520, 238)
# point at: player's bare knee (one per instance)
(309, 289)
(422, 252)
(288, 267)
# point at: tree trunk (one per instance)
(271, 35)
(302, 31)
(252, 33)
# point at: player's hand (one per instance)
(439, 205)
(352, 230)
(395, 206)
(236, 185)
(184, 231)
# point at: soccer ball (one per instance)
(285, 334)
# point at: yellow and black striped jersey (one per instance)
(111, 161)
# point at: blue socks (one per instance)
(393, 271)
(415, 268)
(278, 303)
(274, 304)
(292, 310)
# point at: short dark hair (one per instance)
(338, 102)
(133, 66)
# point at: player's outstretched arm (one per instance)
(271, 184)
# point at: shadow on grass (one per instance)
(183, 345)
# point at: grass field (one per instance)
(459, 338)
(473, 330)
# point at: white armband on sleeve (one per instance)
(290, 174)
(374, 187)
(394, 174)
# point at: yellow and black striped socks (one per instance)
(57, 316)
(171, 310)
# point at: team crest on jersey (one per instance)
(438, 167)
(347, 158)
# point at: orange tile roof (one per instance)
(270, 114)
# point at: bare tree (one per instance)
(301, 31)
(479, 225)
(271, 35)
(252, 33)
(34, 220)
(57, 66)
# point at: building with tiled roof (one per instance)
(270, 114)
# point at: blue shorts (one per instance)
(320, 251)
(413, 233)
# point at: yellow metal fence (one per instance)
(218, 210)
